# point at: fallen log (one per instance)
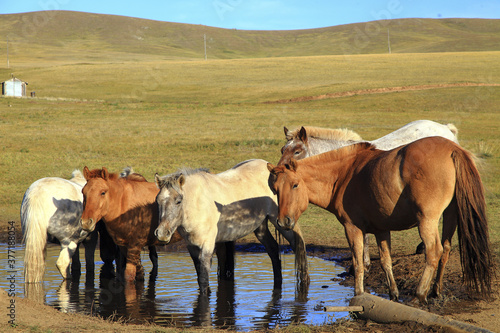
(384, 311)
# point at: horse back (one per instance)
(393, 185)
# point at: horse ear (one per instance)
(285, 130)
(303, 134)
(270, 167)
(158, 180)
(293, 163)
(105, 173)
(181, 180)
(86, 173)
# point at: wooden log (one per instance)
(384, 311)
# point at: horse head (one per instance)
(291, 191)
(95, 197)
(295, 147)
(170, 205)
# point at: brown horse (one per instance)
(374, 191)
(128, 208)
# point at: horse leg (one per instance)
(273, 250)
(67, 251)
(90, 244)
(450, 218)
(366, 253)
(202, 261)
(433, 251)
(355, 239)
(108, 250)
(225, 258)
(133, 269)
(153, 256)
(296, 240)
(121, 262)
(76, 265)
(384, 249)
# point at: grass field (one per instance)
(157, 116)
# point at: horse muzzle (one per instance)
(88, 224)
(163, 235)
(286, 222)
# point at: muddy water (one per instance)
(171, 297)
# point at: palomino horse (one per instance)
(210, 208)
(128, 208)
(51, 211)
(374, 191)
(308, 141)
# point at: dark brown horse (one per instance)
(374, 191)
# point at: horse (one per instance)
(50, 212)
(127, 206)
(375, 191)
(308, 141)
(208, 208)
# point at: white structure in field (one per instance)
(14, 87)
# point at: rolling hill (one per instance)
(65, 36)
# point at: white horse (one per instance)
(50, 212)
(210, 208)
(308, 141)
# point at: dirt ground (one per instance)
(456, 303)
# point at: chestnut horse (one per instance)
(308, 141)
(375, 191)
(127, 207)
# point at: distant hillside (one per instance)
(69, 36)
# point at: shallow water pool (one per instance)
(171, 298)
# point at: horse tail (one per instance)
(34, 227)
(475, 254)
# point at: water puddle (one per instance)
(172, 298)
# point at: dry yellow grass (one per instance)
(162, 115)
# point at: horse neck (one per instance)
(318, 146)
(325, 175)
(125, 195)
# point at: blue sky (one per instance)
(267, 14)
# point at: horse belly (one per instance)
(233, 227)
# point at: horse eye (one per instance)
(297, 152)
(178, 200)
(295, 186)
(103, 193)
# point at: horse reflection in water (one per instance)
(110, 299)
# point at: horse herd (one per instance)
(408, 178)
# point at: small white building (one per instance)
(14, 87)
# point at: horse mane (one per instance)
(135, 177)
(97, 173)
(339, 134)
(344, 152)
(172, 177)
